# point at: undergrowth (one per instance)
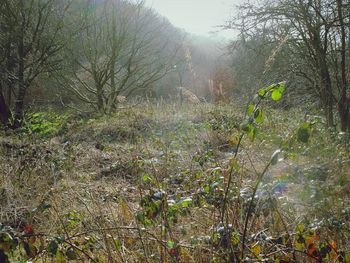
(157, 184)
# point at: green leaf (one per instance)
(301, 228)
(146, 179)
(252, 133)
(235, 239)
(60, 257)
(246, 126)
(170, 244)
(186, 202)
(259, 116)
(250, 109)
(262, 93)
(277, 92)
(303, 133)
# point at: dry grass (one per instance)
(85, 186)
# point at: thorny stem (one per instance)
(229, 181)
(236, 153)
(250, 207)
(224, 205)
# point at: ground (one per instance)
(148, 183)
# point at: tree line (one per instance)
(85, 51)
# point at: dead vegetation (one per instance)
(147, 185)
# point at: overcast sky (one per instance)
(196, 16)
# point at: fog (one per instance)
(197, 16)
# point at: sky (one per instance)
(198, 17)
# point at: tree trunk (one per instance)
(10, 68)
(343, 103)
(344, 114)
(326, 94)
(325, 83)
(99, 93)
(4, 111)
(113, 96)
(19, 104)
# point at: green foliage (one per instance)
(44, 124)
(156, 205)
(276, 91)
(254, 114)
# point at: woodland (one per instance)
(126, 139)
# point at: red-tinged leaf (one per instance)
(28, 229)
(312, 241)
(173, 251)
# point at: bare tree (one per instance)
(124, 51)
(29, 44)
